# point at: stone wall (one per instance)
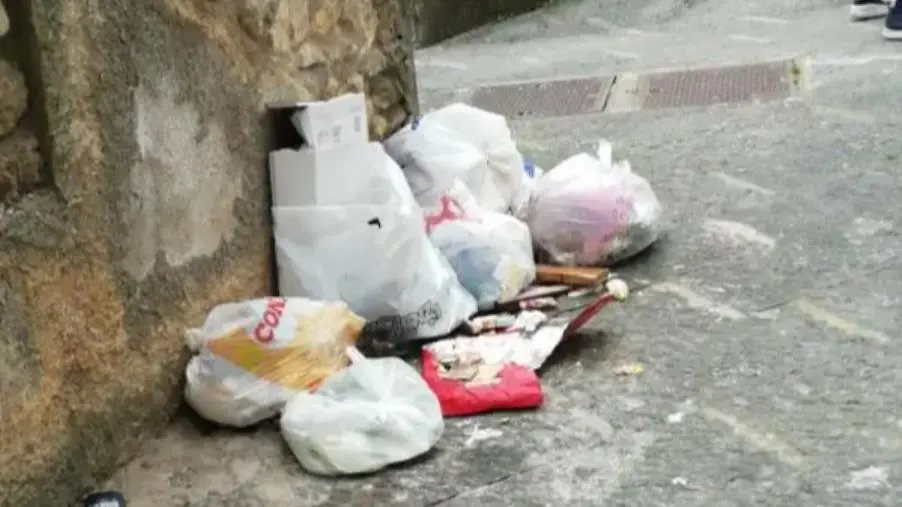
(134, 196)
(437, 20)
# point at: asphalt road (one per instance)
(770, 333)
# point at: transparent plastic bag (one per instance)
(255, 355)
(374, 255)
(496, 189)
(433, 157)
(375, 413)
(589, 211)
(460, 142)
(491, 253)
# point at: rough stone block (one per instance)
(156, 206)
(13, 96)
(20, 163)
(278, 24)
(38, 220)
(17, 353)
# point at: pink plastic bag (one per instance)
(588, 211)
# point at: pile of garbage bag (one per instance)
(431, 235)
(465, 172)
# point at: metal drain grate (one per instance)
(635, 92)
(544, 99)
(701, 87)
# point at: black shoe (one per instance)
(892, 30)
(868, 9)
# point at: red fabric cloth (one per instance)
(518, 389)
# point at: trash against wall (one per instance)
(347, 228)
(373, 414)
(255, 355)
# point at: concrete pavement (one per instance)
(770, 333)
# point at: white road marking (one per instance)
(856, 60)
(749, 38)
(767, 442)
(844, 114)
(831, 320)
(698, 302)
(738, 233)
(732, 181)
(765, 20)
(441, 63)
(621, 54)
(641, 33)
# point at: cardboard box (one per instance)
(325, 125)
(319, 177)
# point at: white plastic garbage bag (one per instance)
(433, 157)
(490, 252)
(460, 142)
(375, 413)
(374, 255)
(589, 211)
(489, 133)
(255, 355)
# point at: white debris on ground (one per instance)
(871, 477)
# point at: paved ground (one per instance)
(770, 336)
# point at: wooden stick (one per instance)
(573, 276)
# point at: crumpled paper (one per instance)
(528, 343)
